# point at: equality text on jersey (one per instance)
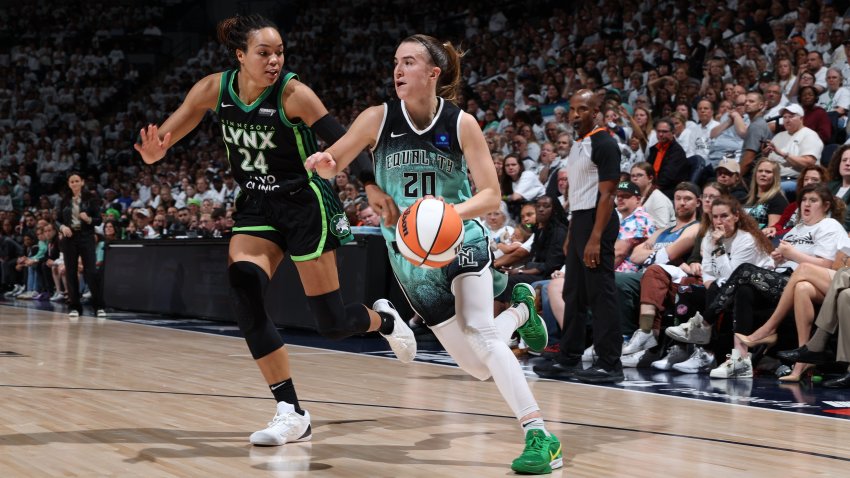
(419, 157)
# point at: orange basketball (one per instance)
(429, 233)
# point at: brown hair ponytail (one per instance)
(447, 58)
(233, 32)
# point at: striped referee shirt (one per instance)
(593, 158)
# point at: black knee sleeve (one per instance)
(248, 283)
(335, 320)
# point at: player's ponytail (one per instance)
(447, 58)
(233, 32)
(449, 85)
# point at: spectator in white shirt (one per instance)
(794, 148)
(814, 64)
(229, 189)
(518, 185)
(683, 132)
(775, 100)
(835, 100)
(701, 131)
(822, 44)
(203, 191)
(145, 189)
(836, 97)
(656, 204)
(839, 60)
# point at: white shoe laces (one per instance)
(287, 419)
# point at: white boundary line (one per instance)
(324, 351)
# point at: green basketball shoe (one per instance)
(533, 331)
(542, 454)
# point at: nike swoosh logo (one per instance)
(552, 456)
(225, 105)
(393, 135)
(277, 387)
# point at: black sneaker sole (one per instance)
(612, 378)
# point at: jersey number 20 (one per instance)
(257, 164)
(418, 185)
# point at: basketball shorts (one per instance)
(305, 223)
(429, 291)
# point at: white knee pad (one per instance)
(454, 339)
(481, 340)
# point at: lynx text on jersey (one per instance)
(248, 135)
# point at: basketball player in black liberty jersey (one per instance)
(268, 119)
(423, 144)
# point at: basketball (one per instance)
(429, 233)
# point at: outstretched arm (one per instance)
(156, 140)
(302, 102)
(362, 135)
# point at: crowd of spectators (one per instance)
(745, 99)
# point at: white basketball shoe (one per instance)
(401, 339)
(287, 426)
(694, 331)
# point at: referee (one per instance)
(594, 169)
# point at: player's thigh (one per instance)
(319, 276)
(263, 252)
(473, 294)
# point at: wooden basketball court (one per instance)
(102, 397)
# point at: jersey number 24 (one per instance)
(257, 164)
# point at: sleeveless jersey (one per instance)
(669, 236)
(412, 163)
(266, 151)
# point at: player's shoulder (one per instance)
(205, 93)
(213, 80)
(292, 85)
(374, 112)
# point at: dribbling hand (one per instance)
(152, 148)
(323, 163)
(383, 204)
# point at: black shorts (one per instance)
(305, 223)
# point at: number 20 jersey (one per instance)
(265, 149)
(412, 163)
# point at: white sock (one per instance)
(511, 319)
(534, 423)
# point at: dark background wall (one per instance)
(189, 278)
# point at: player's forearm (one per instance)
(484, 201)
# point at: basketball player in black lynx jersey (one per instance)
(267, 119)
